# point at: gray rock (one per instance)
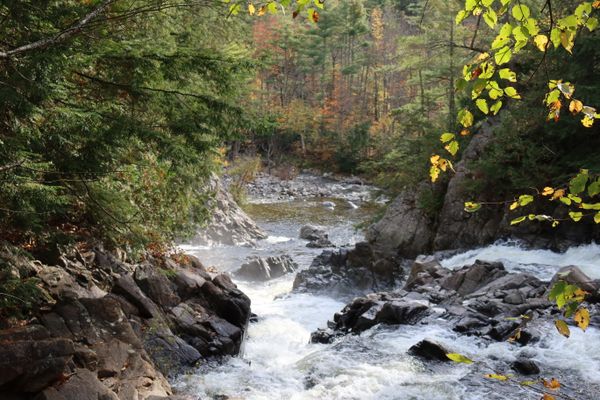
(263, 269)
(229, 224)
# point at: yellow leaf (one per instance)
(582, 318)
(576, 106)
(496, 376)
(262, 11)
(562, 328)
(597, 217)
(553, 383)
(596, 4)
(434, 159)
(465, 132)
(541, 41)
(547, 396)
(558, 194)
(514, 205)
(547, 191)
(459, 358)
(251, 9)
(587, 121)
(434, 173)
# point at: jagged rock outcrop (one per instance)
(347, 272)
(112, 329)
(407, 230)
(229, 224)
(263, 269)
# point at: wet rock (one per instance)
(526, 367)
(263, 269)
(429, 350)
(323, 336)
(348, 272)
(387, 308)
(155, 284)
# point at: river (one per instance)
(278, 362)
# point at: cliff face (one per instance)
(406, 230)
(112, 329)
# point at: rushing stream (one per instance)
(279, 362)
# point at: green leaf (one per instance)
(482, 105)
(461, 16)
(518, 220)
(597, 218)
(446, 137)
(512, 92)
(496, 107)
(594, 188)
(592, 23)
(577, 184)
(452, 147)
(555, 37)
(521, 12)
(525, 199)
(576, 215)
(465, 118)
(507, 74)
(491, 18)
(503, 55)
(459, 358)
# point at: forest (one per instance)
(130, 129)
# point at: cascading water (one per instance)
(280, 363)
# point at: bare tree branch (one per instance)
(61, 36)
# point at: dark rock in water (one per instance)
(482, 299)
(347, 272)
(429, 350)
(229, 224)
(323, 336)
(263, 269)
(526, 367)
(387, 308)
(317, 237)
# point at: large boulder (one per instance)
(405, 229)
(263, 269)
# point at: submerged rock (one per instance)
(263, 269)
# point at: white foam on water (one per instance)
(278, 239)
(542, 263)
